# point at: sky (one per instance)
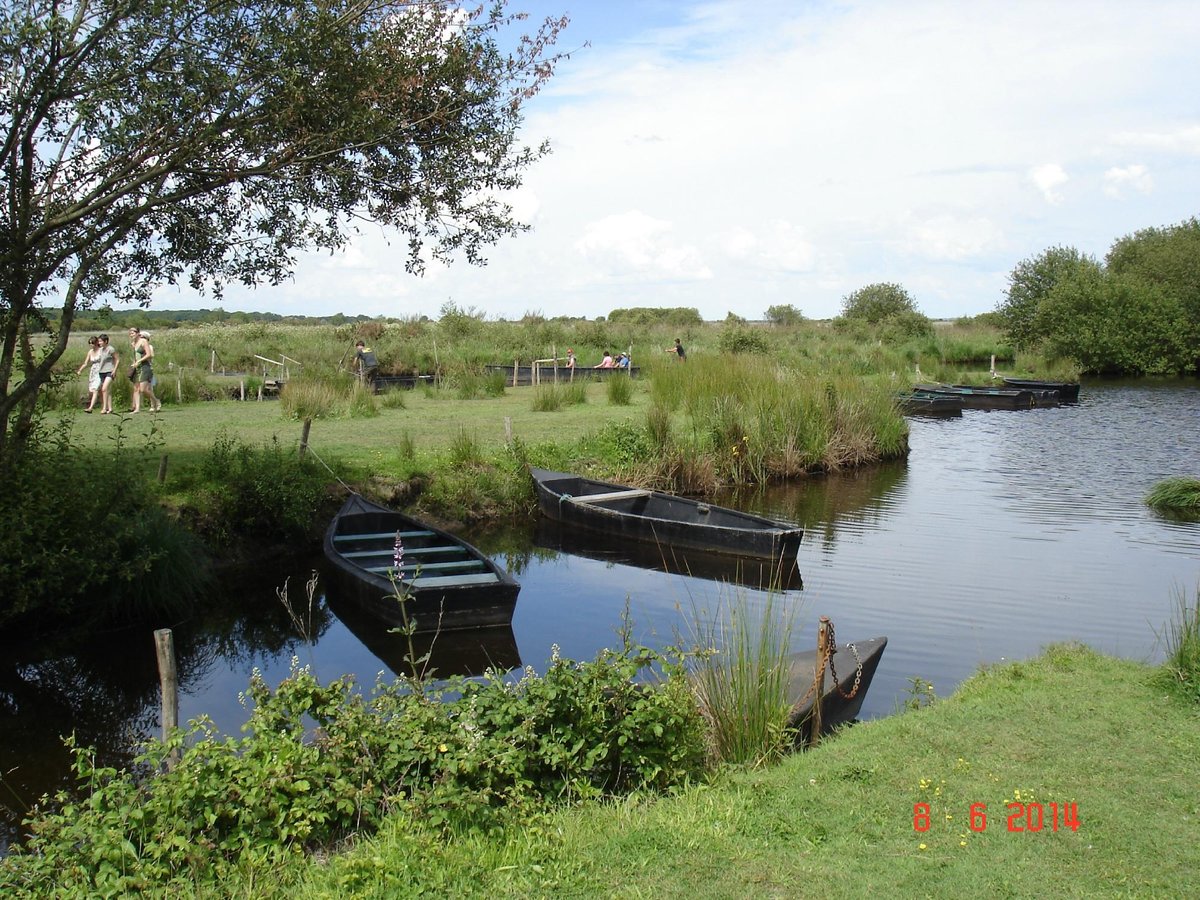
(734, 155)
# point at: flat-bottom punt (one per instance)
(1068, 391)
(974, 397)
(916, 403)
(841, 698)
(449, 584)
(664, 519)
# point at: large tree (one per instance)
(1030, 284)
(151, 142)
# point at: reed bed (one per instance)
(741, 674)
(1175, 494)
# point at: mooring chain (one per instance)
(857, 661)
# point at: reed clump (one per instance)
(1182, 641)
(1178, 494)
(741, 674)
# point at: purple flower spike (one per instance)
(398, 555)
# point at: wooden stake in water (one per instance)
(819, 680)
(164, 643)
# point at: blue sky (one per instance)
(732, 155)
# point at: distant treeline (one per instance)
(108, 319)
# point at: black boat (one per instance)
(1068, 391)
(664, 519)
(546, 374)
(848, 674)
(980, 397)
(919, 403)
(448, 583)
(755, 572)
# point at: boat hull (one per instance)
(452, 586)
(988, 398)
(547, 374)
(1068, 391)
(841, 672)
(664, 519)
(918, 404)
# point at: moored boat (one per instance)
(526, 375)
(848, 673)
(755, 572)
(918, 403)
(449, 584)
(665, 519)
(979, 397)
(1068, 391)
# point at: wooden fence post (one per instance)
(162, 469)
(819, 679)
(164, 643)
(304, 437)
(508, 431)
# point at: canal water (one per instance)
(1001, 533)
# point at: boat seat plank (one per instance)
(408, 551)
(612, 495)
(429, 567)
(390, 535)
(451, 580)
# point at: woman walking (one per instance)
(142, 372)
(92, 359)
(110, 359)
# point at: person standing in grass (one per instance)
(366, 363)
(678, 351)
(110, 359)
(141, 373)
(92, 359)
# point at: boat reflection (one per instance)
(747, 571)
(469, 652)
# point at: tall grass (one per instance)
(1182, 641)
(620, 390)
(1181, 494)
(741, 676)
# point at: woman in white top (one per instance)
(92, 359)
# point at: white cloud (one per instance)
(1135, 177)
(951, 237)
(1048, 178)
(778, 246)
(1182, 140)
(634, 244)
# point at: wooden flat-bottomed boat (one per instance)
(980, 397)
(548, 374)
(449, 584)
(919, 403)
(664, 519)
(1068, 391)
(848, 673)
(755, 572)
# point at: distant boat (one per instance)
(759, 573)
(450, 584)
(664, 519)
(841, 698)
(918, 403)
(981, 397)
(549, 374)
(1068, 391)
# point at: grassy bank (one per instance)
(1068, 727)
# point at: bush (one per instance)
(86, 536)
(737, 339)
(269, 492)
(494, 754)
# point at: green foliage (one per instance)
(742, 675)
(1182, 494)
(737, 338)
(625, 444)
(877, 303)
(458, 323)
(269, 492)
(475, 754)
(291, 136)
(784, 314)
(86, 537)
(654, 315)
(1116, 324)
(619, 389)
(1030, 284)
(547, 398)
(1181, 670)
